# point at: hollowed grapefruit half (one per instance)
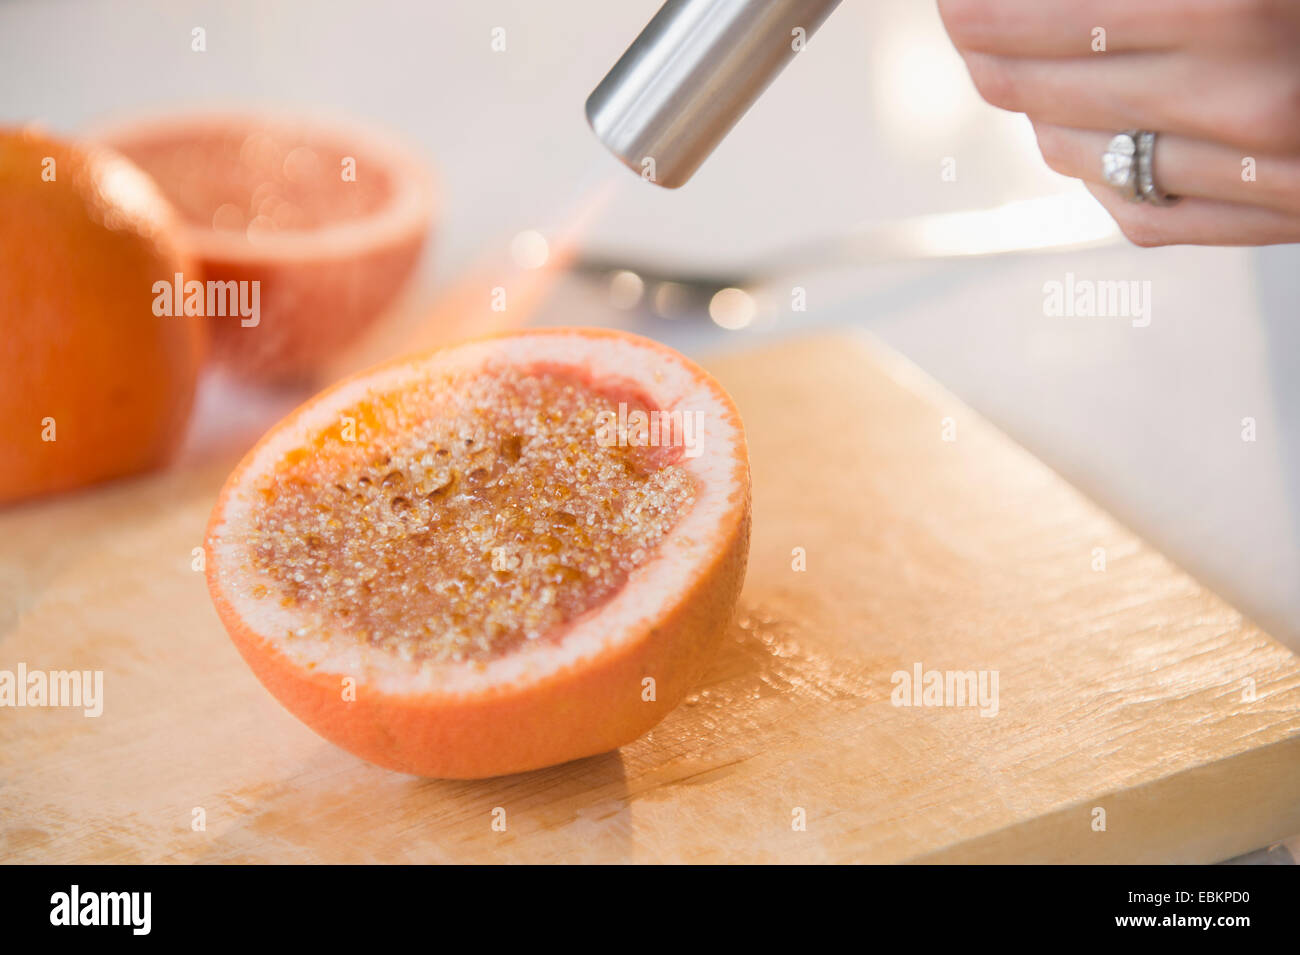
(328, 216)
(498, 556)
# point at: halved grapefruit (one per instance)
(93, 384)
(328, 217)
(498, 556)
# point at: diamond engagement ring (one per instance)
(1128, 164)
(1119, 165)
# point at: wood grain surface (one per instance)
(1124, 691)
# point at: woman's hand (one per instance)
(1218, 80)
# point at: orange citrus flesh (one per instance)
(444, 566)
(93, 384)
(479, 513)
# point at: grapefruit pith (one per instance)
(93, 384)
(328, 217)
(501, 555)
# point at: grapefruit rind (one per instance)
(84, 236)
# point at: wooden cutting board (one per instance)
(1124, 693)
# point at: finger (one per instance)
(1252, 106)
(1197, 221)
(1051, 28)
(1182, 166)
(1059, 28)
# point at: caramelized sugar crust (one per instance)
(468, 516)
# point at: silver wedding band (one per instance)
(1128, 165)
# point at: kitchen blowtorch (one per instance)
(691, 74)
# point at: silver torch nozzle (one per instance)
(691, 74)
